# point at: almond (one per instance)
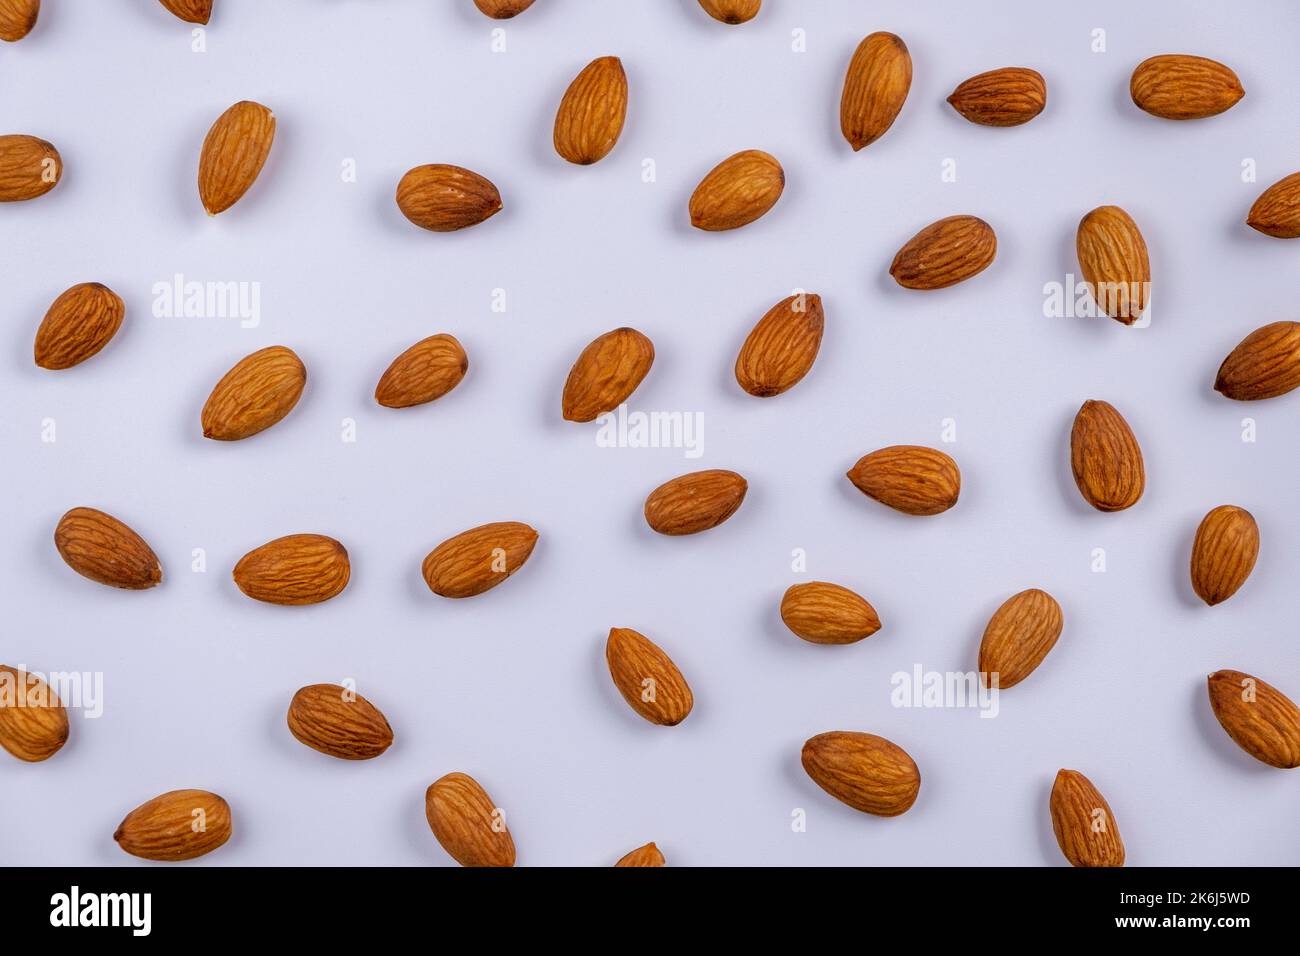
(945, 253)
(260, 390)
(1018, 636)
(338, 722)
(1258, 717)
(470, 827)
(824, 613)
(867, 772)
(591, 115)
(1085, 828)
(80, 322)
(191, 11)
(294, 570)
(1181, 87)
(100, 547)
(17, 17)
(647, 855)
(1224, 553)
(444, 198)
(647, 678)
(730, 11)
(1105, 458)
(179, 825)
(1265, 364)
(875, 88)
(33, 722)
(1276, 212)
(477, 560)
(503, 9)
(429, 369)
(1007, 97)
(234, 152)
(695, 502)
(606, 374)
(29, 167)
(1113, 259)
(737, 191)
(912, 479)
(782, 347)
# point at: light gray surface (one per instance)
(511, 686)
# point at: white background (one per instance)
(511, 686)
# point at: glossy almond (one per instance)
(695, 502)
(1007, 97)
(1276, 212)
(1106, 458)
(296, 569)
(912, 479)
(444, 198)
(338, 722)
(33, 721)
(867, 772)
(1224, 553)
(782, 347)
(479, 559)
(503, 9)
(178, 825)
(591, 115)
(1181, 87)
(17, 17)
(1018, 637)
(875, 88)
(824, 613)
(945, 253)
(191, 11)
(606, 374)
(1085, 828)
(647, 678)
(260, 390)
(647, 855)
(737, 191)
(1113, 258)
(29, 167)
(1265, 364)
(98, 546)
(470, 827)
(731, 11)
(1261, 719)
(233, 154)
(80, 322)
(429, 369)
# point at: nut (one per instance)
(1265, 364)
(1085, 828)
(338, 722)
(875, 88)
(591, 115)
(782, 347)
(294, 570)
(1018, 637)
(945, 253)
(1106, 458)
(1180, 87)
(33, 722)
(477, 560)
(429, 369)
(80, 322)
(99, 547)
(1113, 259)
(234, 153)
(444, 198)
(1224, 553)
(647, 678)
(912, 479)
(737, 191)
(824, 613)
(179, 825)
(1006, 97)
(260, 390)
(695, 502)
(867, 772)
(606, 374)
(470, 827)
(1261, 719)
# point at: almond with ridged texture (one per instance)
(733, 12)
(477, 560)
(1085, 828)
(1010, 96)
(443, 198)
(470, 827)
(606, 374)
(912, 479)
(945, 253)
(17, 17)
(234, 153)
(591, 114)
(502, 9)
(260, 390)
(782, 347)
(80, 322)
(1276, 212)
(875, 88)
(1018, 637)
(1180, 87)
(695, 502)
(824, 613)
(867, 772)
(33, 722)
(1113, 259)
(1224, 553)
(29, 167)
(338, 722)
(1259, 718)
(294, 570)
(428, 370)
(737, 191)
(191, 11)
(98, 546)
(1106, 458)
(648, 855)
(1265, 364)
(179, 825)
(647, 678)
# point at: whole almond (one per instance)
(1113, 259)
(470, 827)
(1084, 826)
(80, 322)
(647, 855)
(647, 678)
(503, 9)
(33, 722)
(912, 479)
(338, 722)
(730, 11)
(1010, 96)
(234, 152)
(1106, 458)
(1018, 636)
(1276, 212)
(945, 253)
(191, 11)
(477, 560)
(294, 570)
(17, 17)
(260, 390)
(1261, 719)
(429, 369)
(782, 347)
(1265, 364)
(867, 772)
(1224, 553)
(29, 167)
(179, 825)
(737, 191)
(443, 198)
(1181, 87)
(606, 374)
(875, 88)
(100, 547)
(591, 115)
(695, 502)
(824, 613)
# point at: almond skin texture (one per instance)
(1084, 826)
(29, 167)
(912, 479)
(782, 347)
(1180, 87)
(1261, 719)
(429, 369)
(260, 390)
(1276, 212)
(875, 88)
(1106, 458)
(606, 374)
(79, 323)
(945, 253)
(1265, 364)
(867, 772)
(1113, 259)
(591, 115)
(294, 570)
(737, 191)
(233, 154)
(1018, 637)
(730, 11)
(179, 825)
(647, 678)
(17, 17)
(647, 855)
(695, 502)
(1008, 97)
(444, 198)
(503, 9)
(191, 11)
(824, 613)
(467, 823)
(338, 722)
(477, 560)
(1224, 553)
(100, 547)
(33, 723)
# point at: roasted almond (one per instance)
(824, 613)
(1018, 637)
(80, 322)
(191, 11)
(179, 825)
(429, 369)
(100, 547)
(875, 88)
(1261, 719)
(1181, 87)
(737, 191)
(695, 502)
(477, 560)
(33, 722)
(260, 390)
(729, 11)
(444, 198)
(647, 855)
(945, 253)
(591, 115)
(1276, 212)
(470, 827)
(867, 772)
(782, 347)
(1084, 826)
(338, 722)
(1007, 97)
(233, 154)
(296, 569)
(912, 479)
(1106, 458)
(647, 678)
(1113, 259)
(1224, 553)
(1265, 364)
(503, 9)
(29, 167)
(17, 17)
(606, 374)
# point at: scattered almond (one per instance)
(233, 154)
(503, 9)
(695, 502)
(782, 347)
(80, 322)
(29, 167)
(294, 570)
(945, 253)
(179, 825)
(33, 722)
(1018, 637)
(1106, 458)
(591, 115)
(1276, 212)
(477, 560)
(338, 722)
(1265, 364)
(1224, 553)
(1113, 259)
(730, 11)
(1261, 719)
(1084, 826)
(606, 374)
(444, 198)
(1007, 97)
(260, 390)
(647, 678)
(1181, 87)
(875, 88)
(191, 11)
(647, 855)
(17, 17)
(100, 547)
(470, 827)
(824, 613)
(737, 191)
(429, 369)
(867, 772)
(912, 479)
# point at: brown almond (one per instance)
(33, 722)
(875, 88)
(1084, 826)
(29, 167)
(1113, 259)
(100, 547)
(1261, 719)
(1276, 212)
(782, 347)
(477, 560)
(503, 9)
(338, 722)
(443, 198)
(824, 613)
(17, 17)
(191, 11)
(294, 570)
(945, 253)
(1181, 87)
(1265, 364)
(606, 374)
(80, 322)
(647, 678)
(912, 479)
(695, 502)
(470, 827)
(647, 855)
(234, 153)
(1018, 637)
(867, 772)
(1106, 458)
(260, 390)
(178, 825)
(429, 369)
(730, 11)
(1010, 96)
(591, 114)
(737, 191)
(1224, 553)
